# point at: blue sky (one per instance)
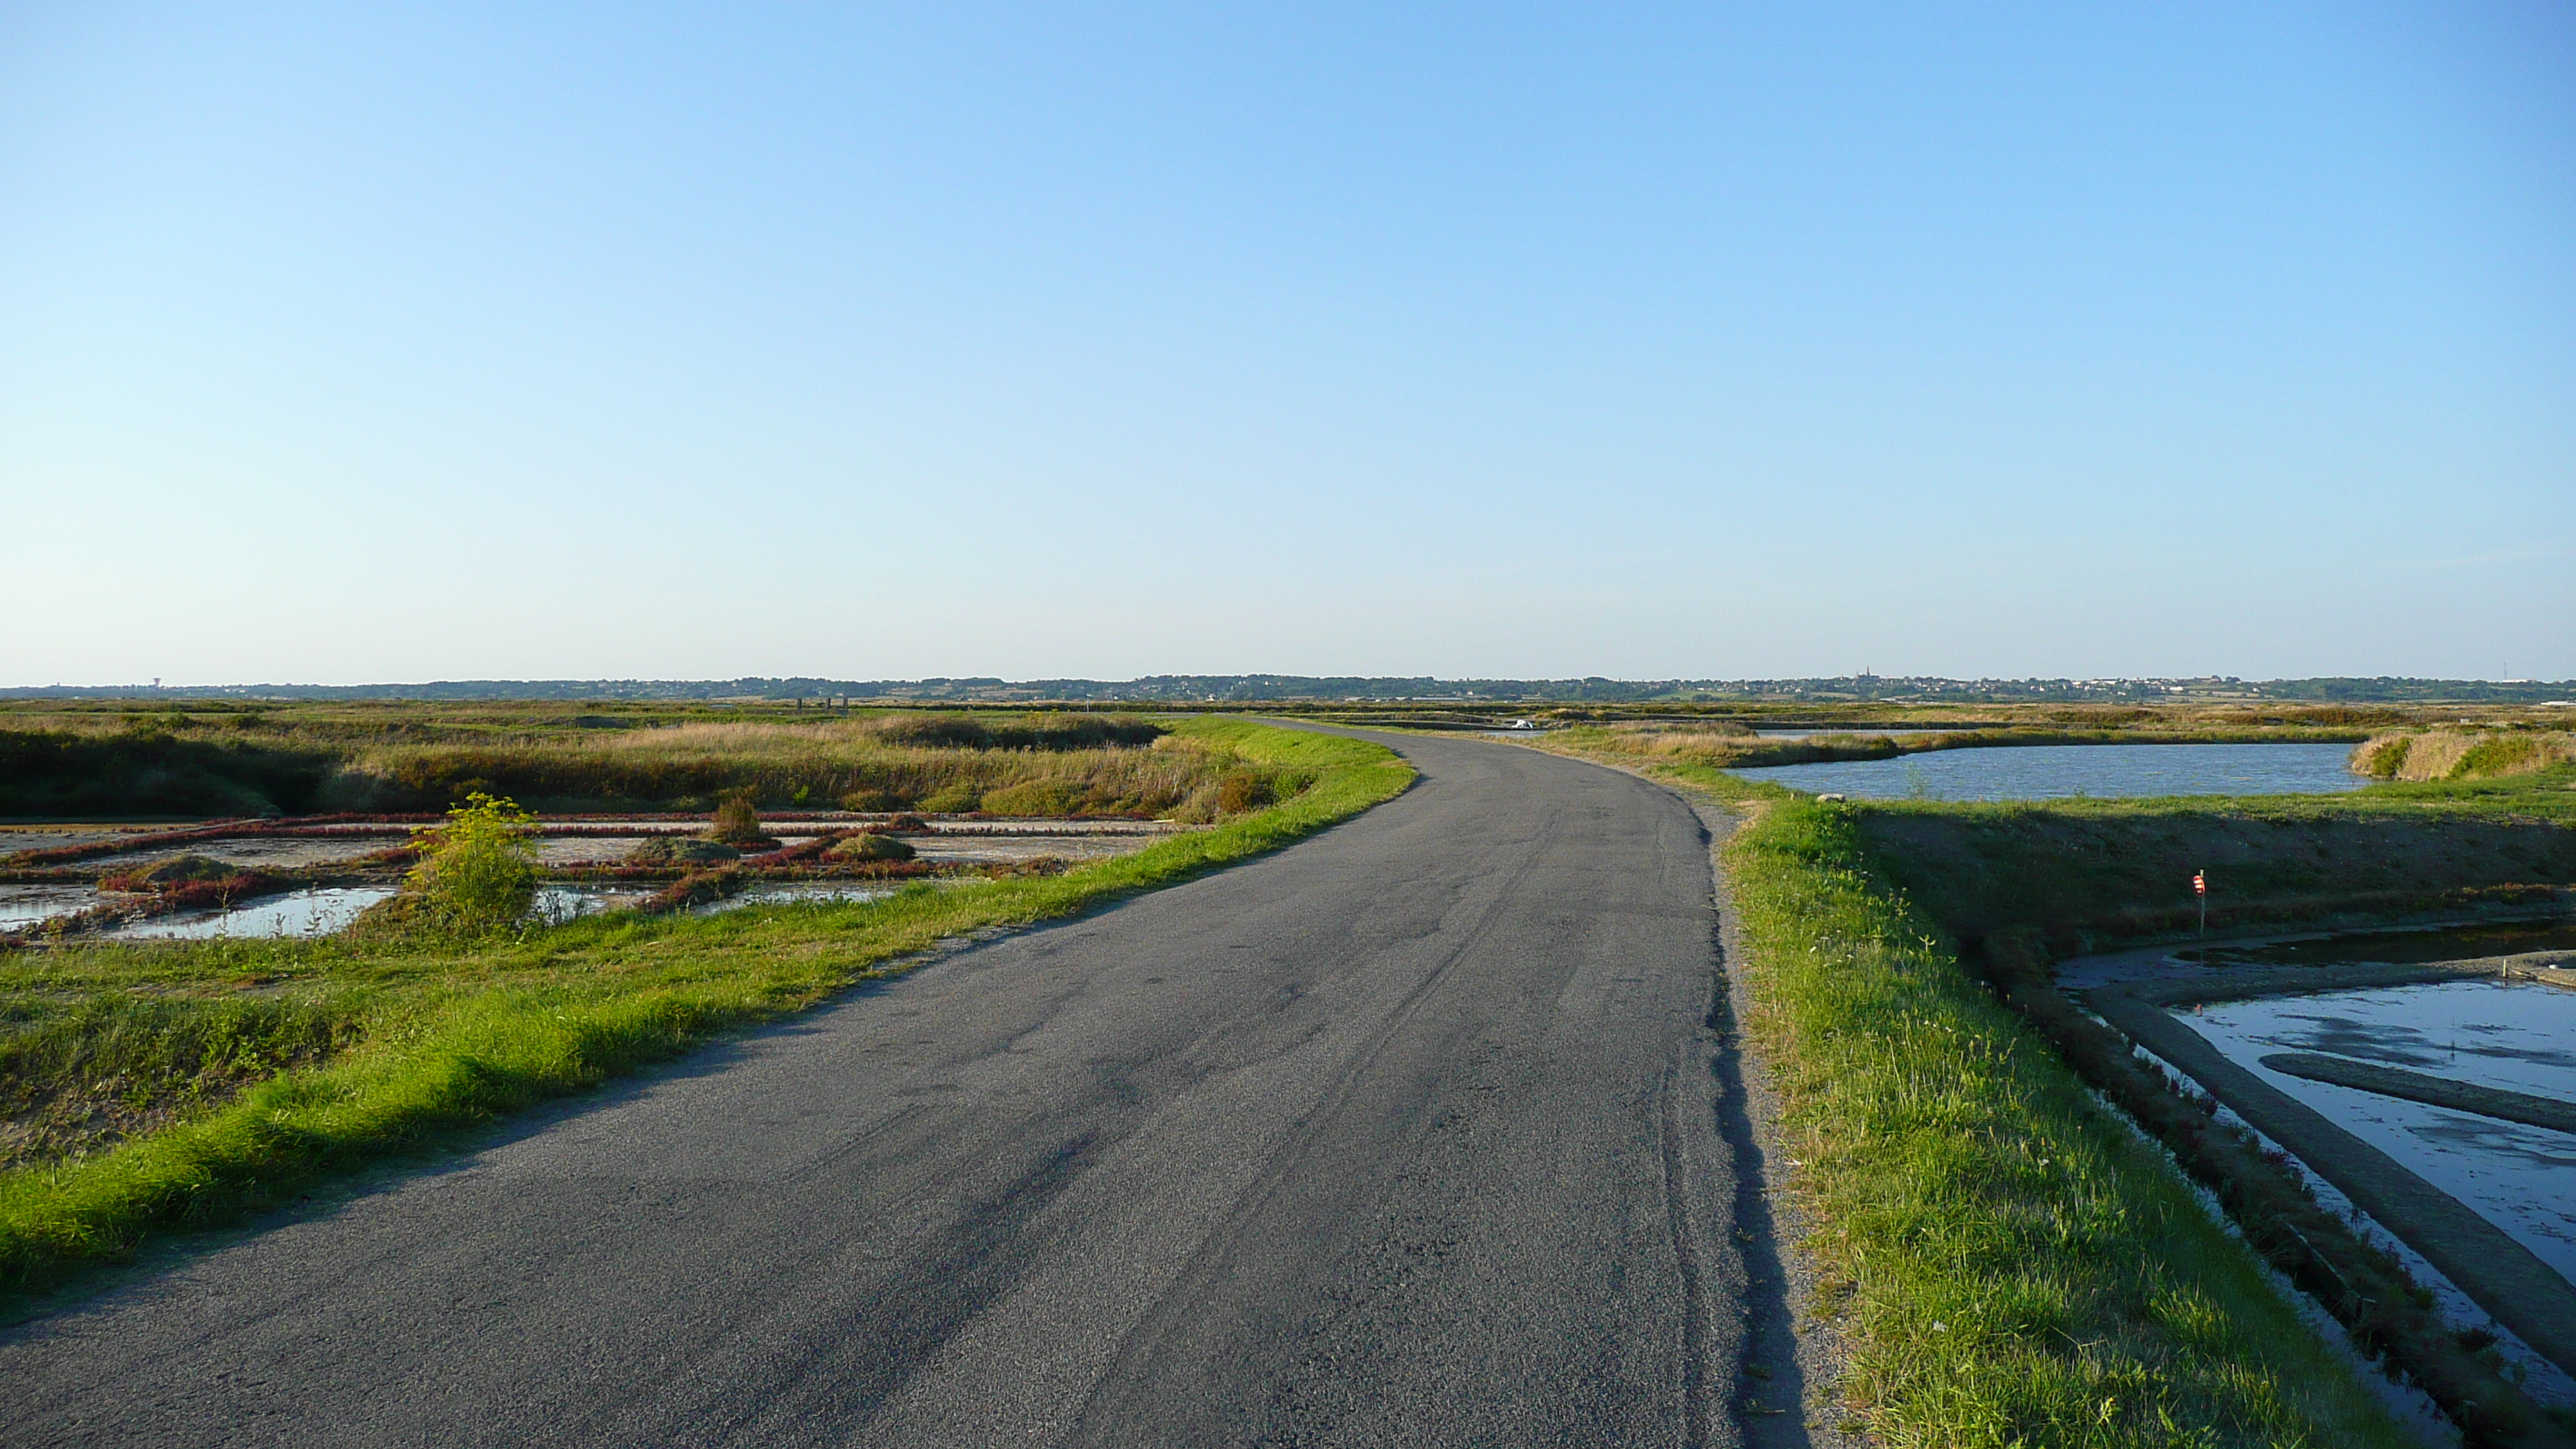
(446, 341)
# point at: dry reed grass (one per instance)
(2462, 754)
(790, 765)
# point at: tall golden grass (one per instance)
(2462, 754)
(788, 765)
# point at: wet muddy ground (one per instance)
(15, 838)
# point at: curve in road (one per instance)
(1404, 1136)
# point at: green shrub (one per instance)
(1031, 797)
(1241, 789)
(737, 822)
(871, 847)
(672, 850)
(954, 799)
(2499, 755)
(478, 872)
(187, 868)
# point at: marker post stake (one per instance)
(2200, 888)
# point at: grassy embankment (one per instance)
(253, 1069)
(2010, 1263)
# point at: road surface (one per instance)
(1408, 1135)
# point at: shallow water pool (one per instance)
(2055, 772)
(28, 905)
(318, 911)
(2520, 1037)
(800, 892)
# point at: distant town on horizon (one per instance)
(1256, 688)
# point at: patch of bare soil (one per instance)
(15, 838)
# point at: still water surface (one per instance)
(2516, 1036)
(2054, 772)
(557, 904)
(800, 892)
(26, 905)
(315, 912)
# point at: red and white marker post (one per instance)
(2200, 888)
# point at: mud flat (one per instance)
(14, 838)
(279, 852)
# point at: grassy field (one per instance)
(225, 757)
(2010, 1262)
(238, 760)
(248, 1070)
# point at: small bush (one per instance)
(2382, 756)
(672, 850)
(737, 822)
(1031, 797)
(869, 801)
(478, 872)
(1239, 790)
(957, 799)
(171, 874)
(2501, 755)
(871, 847)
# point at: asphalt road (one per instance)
(1408, 1135)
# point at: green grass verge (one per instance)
(2010, 1264)
(452, 1037)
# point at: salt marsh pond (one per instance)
(2511, 1035)
(2055, 772)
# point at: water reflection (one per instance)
(2495, 1034)
(802, 892)
(2052, 772)
(28, 905)
(557, 904)
(317, 911)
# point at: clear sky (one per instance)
(365, 343)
